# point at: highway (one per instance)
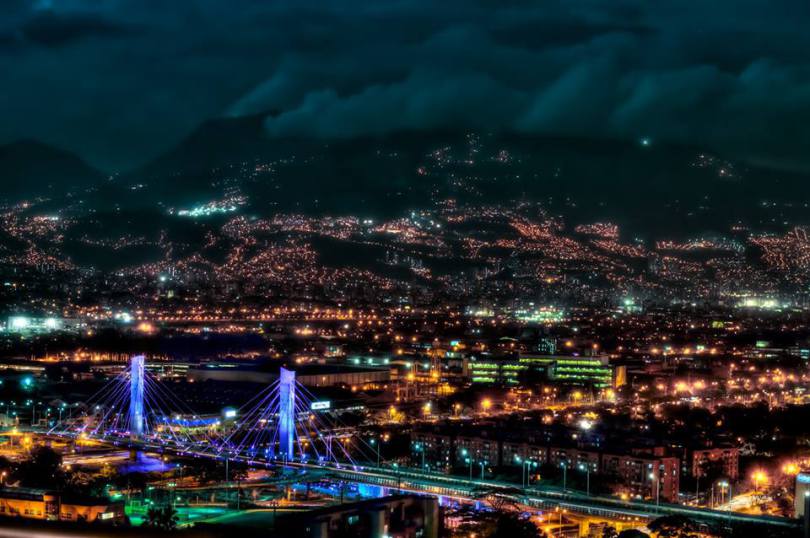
(462, 488)
(546, 498)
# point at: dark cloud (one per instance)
(53, 30)
(728, 74)
(542, 34)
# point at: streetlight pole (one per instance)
(482, 470)
(526, 473)
(418, 448)
(656, 479)
(587, 470)
(565, 474)
(376, 443)
(522, 470)
(723, 487)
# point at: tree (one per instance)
(162, 518)
(513, 525)
(633, 533)
(609, 532)
(498, 499)
(207, 471)
(673, 527)
(42, 470)
(137, 482)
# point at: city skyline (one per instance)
(470, 269)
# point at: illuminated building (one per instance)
(802, 495)
(492, 371)
(556, 368)
(33, 325)
(513, 451)
(727, 459)
(574, 457)
(434, 448)
(573, 370)
(639, 474)
(648, 476)
(477, 449)
(42, 504)
(397, 516)
(312, 375)
(620, 376)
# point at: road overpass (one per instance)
(545, 498)
(463, 488)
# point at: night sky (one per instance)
(119, 81)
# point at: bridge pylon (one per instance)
(286, 413)
(136, 386)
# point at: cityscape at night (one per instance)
(462, 269)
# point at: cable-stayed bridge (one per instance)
(277, 428)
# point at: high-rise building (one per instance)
(802, 494)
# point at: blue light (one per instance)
(136, 414)
(286, 411)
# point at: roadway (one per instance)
(421, 481)
(545, 498)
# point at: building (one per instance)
(433, 449)
(397, 516)
(33, 325)
(647, 476)
(560, 369)
(496, 371)
(517, 452)
(315, 375)
(723, 462)
(650, 475)
(572, 370)
(574, 458)
(801, 495)
(48, 505)
(477, 450)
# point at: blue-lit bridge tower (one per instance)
(286, 413)
(136, 384)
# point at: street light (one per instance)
(378, 442)
(560, 509)
(655, 478)
(759, 477)
(724, 486)
(420, 448)
(529, 464)
(587, 469)
(564, 466)
(525, 473)
(791, 469)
